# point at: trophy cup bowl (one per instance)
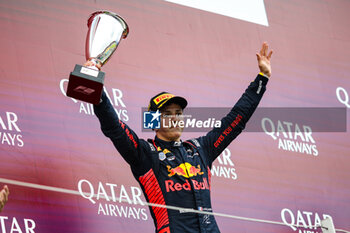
(106, 29)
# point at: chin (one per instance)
(175, 135)
(170, 134)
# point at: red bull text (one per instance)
(186, 170)
(171, 186)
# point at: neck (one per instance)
(167, 139)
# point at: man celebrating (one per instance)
(175, 172)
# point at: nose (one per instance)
(174, 117)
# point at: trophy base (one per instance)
(85, 84)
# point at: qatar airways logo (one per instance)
(223, 167)
(343, 96)
(17, 225)
(10, 133)
(114, 200)
(114, 95)
(290, 136)
(303, 221)
(252, 11)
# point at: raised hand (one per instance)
(264, 59)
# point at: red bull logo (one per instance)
(185, 170)
(172, 186)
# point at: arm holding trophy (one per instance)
(106, 29)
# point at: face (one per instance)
(170, 127)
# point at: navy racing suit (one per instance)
(178, 173)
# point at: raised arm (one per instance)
(124, 139)
(234, 122)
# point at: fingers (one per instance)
(264, 51)
(264, 48)
(3, 191)
(89, 63)
(7, 192)
(258, 56)
(4, 194)
(270, 54)
(7, 189)
(2, 199)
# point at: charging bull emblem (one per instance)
(185, 170)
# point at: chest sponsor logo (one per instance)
(172, 186)
(185, 169)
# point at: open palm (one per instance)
(264, 59)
